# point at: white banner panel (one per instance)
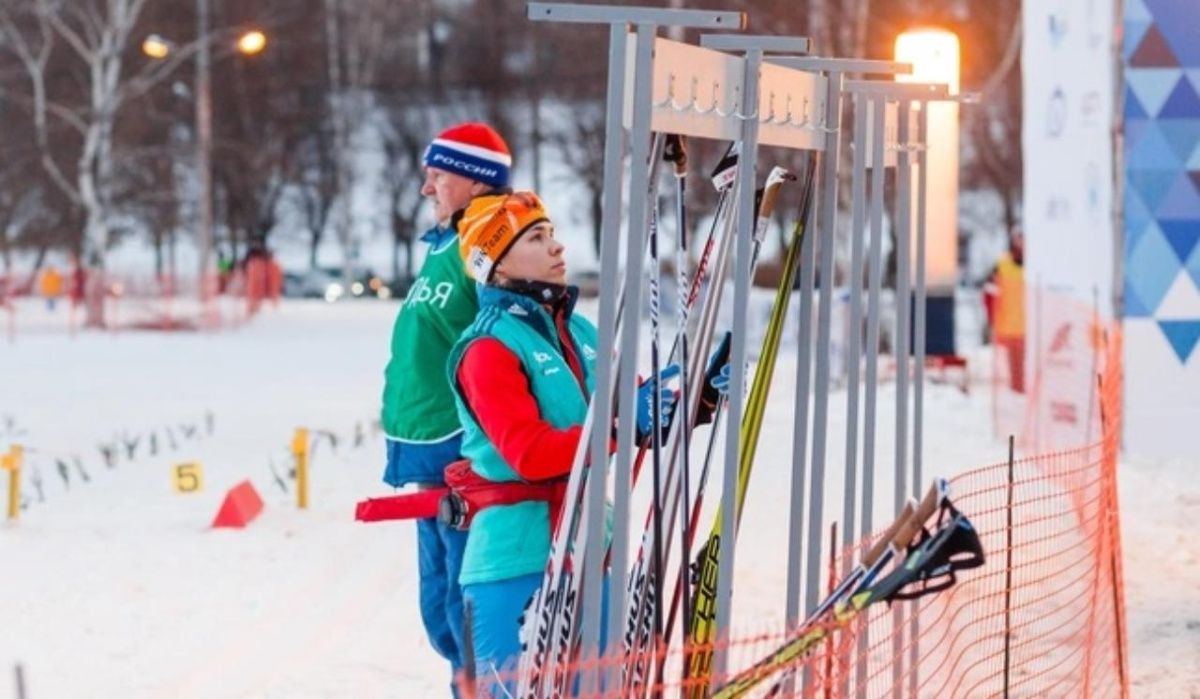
(1068, 147)
(1068, 68)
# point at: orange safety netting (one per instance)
(147, 302)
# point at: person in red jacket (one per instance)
(522, 375)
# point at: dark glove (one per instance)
(716, 382)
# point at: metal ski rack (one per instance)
(735, 87)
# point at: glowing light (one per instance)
(251, 42)
(155, 46)
(333, 292)
(934, 55)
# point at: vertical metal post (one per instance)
(800, 438)
(874, 282)
(635, 248)
(204, 149)
(610, 243)
(901, 226)
(858, 194)
(1008, 567)
(808, 253)
(827, 221)
(919, 363)
(919, 329)
(874, 279)
(741, 295)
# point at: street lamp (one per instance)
(251, 42)
(934, 55)
(157, 47)
(248, 43)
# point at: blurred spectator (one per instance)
(274, 279)
(264, 277)
(224, 271)
(50, 285)
(78, 281)
(1007, 307)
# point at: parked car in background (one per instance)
(328, 283)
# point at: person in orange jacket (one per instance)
(1008, 315)
(50, 285)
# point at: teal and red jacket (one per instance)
(522, 375)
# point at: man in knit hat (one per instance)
(419, 416)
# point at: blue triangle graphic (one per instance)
(1183, 103)
(1152, 152)
(1181, 134)
(1193, 266)
(1193, 162)
(1133, 108)
(1134, 308)
(1182, 334)
(1152, 85)
(1181, 201)
(1134, 128)
(1151, 184)
(1182, 235)
(1136, 217)
(1151, 266)
(1135, 11)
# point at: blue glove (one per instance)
(721, 380)
(649, 391)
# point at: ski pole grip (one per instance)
(675, 152)
(889, 535)
(768, 202)
(924, 511)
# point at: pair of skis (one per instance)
(928, 565)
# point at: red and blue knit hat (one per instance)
(473, 150)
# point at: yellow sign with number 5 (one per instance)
(188, 477)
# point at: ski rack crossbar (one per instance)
(699, 91)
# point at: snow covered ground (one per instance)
(117, 586)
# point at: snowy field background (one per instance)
(118, 587)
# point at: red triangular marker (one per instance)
(242, 504)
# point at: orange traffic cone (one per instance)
(242, 504)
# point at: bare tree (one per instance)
(95, 36)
